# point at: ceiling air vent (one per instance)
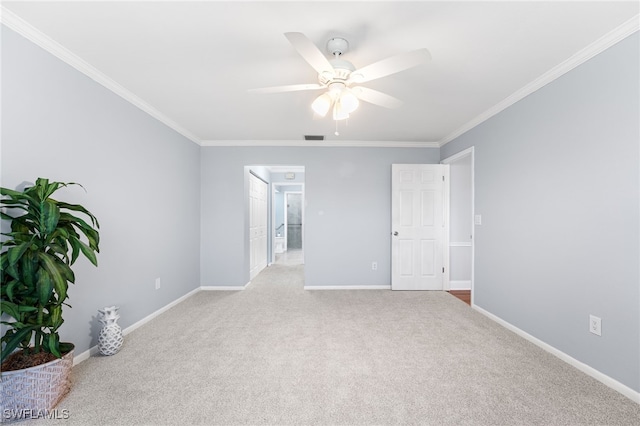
(313, 137)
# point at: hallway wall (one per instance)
(141, 178)
(348, 211)
(557, 185)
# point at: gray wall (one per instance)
(557, 186)
(348, 211)
(142, 181)
(556, 182)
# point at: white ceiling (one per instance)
(190, 63)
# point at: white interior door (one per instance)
(419, 226)
(257, 225)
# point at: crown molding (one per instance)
(20, 26)
(325, 143)
(603, 43)
(17, 24)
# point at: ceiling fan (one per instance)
(341, 79)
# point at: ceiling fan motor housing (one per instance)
(341, 68)
(337, 46)
(341, 71)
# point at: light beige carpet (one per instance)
(277, 354)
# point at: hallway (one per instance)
(290, 257)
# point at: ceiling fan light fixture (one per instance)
(348, 101)
(339, 113)
(322, 104)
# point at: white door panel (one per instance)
(257, 225)
(419, 226)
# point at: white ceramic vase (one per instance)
(110, 338)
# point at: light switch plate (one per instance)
(477, 219)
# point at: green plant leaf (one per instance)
(66, 272)
(29, 266)
(49, 263)
(57, 249)
(79, 208)
(85, 249)
(25, 225)
(12, 271)
(8, 289)
(60, 232)
(92, 235)
(14, 339)
(17, 195)
(15, 253)
(56, 316)
(53, 342)
(65, 347)
(50, 214)
(75, 250)
(40, 188)
(44, 285)
(10, 309)
(50, 188)
(4, 261)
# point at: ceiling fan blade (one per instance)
(390, 65)
(375, 97)
(288, 88)
(309, 52)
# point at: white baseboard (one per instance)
(223, 287)
(459, 285)
(601, 377)
(158, 312)
(77, 359)
(94, 349)
(347, 287)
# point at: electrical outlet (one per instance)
(157, 283)
(595, 325)
(374, 266)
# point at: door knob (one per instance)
(395, 234)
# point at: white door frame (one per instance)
(452, 159)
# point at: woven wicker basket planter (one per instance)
(35, 390)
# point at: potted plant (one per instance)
(46, 238)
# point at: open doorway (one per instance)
(461, 231)
(293, 218)
(288, 223)
(274, 216)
